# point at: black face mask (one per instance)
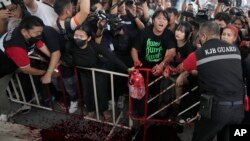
(33, 40)
(80, 43)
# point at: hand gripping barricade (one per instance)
(136, 81)
(136, 85)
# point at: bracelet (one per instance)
(135, 17)
(50, 70)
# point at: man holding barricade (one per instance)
(221, 84)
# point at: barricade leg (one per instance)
(5, 103)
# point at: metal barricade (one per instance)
(145, 119)
(16, 93)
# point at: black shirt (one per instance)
(220, 71)
(91, 55)
(152, 48)
(182, 53)
(51, 38)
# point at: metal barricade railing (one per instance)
(145, 119)
(17, 95)
(114, 114)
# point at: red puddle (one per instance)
(77, 130)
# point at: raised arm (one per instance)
(184, 5)
(138, 22)
(145, 11)
(114, 8)
(84, 11)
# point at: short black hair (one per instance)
(60, 5)
(211, 28)
(30, 21)
(172, 10)
(222, 16)
(160, 11)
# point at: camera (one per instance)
(114, 21)
(203, 14)
(235, 11)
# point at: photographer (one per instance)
(123, 41)
(226, 5)
(127, 11)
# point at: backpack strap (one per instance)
(67, 33)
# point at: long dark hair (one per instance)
(185, 27)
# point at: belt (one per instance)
(230, 103)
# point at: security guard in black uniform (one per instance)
(221, 84)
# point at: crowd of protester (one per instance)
(113, 35)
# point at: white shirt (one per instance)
(46, 13)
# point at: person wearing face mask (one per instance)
(15, 46)
(221, 84)
(65, 24)
(88, 53)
